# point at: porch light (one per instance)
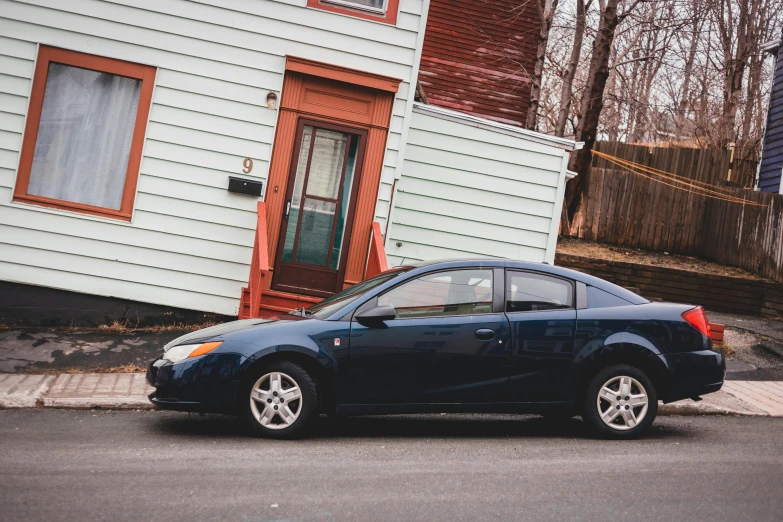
(271, 100)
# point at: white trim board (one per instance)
(501, 128)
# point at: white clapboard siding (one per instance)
(474, 188)
(189, 243)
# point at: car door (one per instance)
(541, 312)
(448, 342)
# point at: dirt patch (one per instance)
(579, 247)
(57, 350)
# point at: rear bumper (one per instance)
(692, 374)
(206, 384)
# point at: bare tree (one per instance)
(668, 68)
(733, 21)
(573, 61)
(592, 99)
(694, 12)
(546, 12)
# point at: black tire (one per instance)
(592, 415)
(307, 408)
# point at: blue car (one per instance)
(450, 336)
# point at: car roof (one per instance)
(545, 268)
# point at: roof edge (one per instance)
(502, 128)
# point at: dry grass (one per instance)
(725, 348)
(116, 327)
(581, 247)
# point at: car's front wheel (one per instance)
(620, 402)
(282, 401)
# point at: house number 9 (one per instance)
(248, 164)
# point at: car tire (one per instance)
(625, 413)
(281, 401)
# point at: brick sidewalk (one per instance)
(764, 395)
(75, 390)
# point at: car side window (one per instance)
(454, 292)
(597, 298)
(532, 292)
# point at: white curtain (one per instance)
(84, 138)
(377, 4)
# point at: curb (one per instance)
(685, 409)
(130, 391)
(97, 402)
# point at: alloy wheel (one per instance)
(276, 401)
(622, 403)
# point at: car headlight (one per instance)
(187, 351)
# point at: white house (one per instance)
(138, 137)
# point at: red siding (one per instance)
(478, 56)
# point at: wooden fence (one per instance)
(713, 166)
(622, 208)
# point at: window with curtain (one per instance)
(82, 144)
(384, 11)
(374, 5)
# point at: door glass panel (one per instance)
(321, 166)
(458, 292)
(528, 292)
(345, 201)
(315, 232)
(326, 167)
(296, 198)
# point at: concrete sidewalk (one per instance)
(130, 390)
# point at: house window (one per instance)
(384, 11)
(375, 6)
(84, 134)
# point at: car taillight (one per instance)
(697, 318)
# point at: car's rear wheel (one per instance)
(620, 402)
(281, 401)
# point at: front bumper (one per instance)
(693, 374)
(206, 384)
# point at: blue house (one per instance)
(771, 166)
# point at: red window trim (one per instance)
(145, 73)
(390, 17)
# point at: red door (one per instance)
(318, 213)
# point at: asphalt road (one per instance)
(93, 465)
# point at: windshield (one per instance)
(328, 306)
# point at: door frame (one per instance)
(289, 189)
(340, 95)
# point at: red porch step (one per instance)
(274, 302)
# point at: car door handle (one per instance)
(485, 334)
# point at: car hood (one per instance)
(221, 329)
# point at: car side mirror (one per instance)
(376, 315)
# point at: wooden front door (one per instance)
(318, 212)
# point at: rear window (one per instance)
(533, 292)
(597, 298)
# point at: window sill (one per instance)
(388, 18)
(71, 207)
